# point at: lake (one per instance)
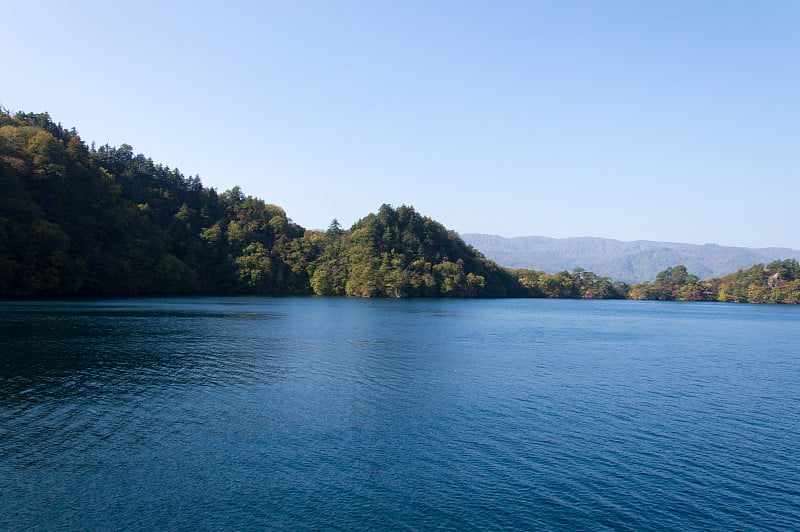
(328, 413)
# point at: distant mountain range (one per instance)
(632, 262)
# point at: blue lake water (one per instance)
(326, 413)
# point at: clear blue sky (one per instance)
(631, 119)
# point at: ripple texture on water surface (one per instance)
(318, 413)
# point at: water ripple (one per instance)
(443, 415)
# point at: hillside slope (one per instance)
(84, 221)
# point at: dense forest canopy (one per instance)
(81, 221)
(85, 221)
(777, 282)
(76, 220)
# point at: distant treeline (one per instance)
(78, 221)
(777, 282)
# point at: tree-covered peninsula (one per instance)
(84, 221)
(776, 282)
(81, 221)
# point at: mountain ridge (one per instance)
(629, 261)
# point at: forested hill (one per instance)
(80, 221)
(632, 262)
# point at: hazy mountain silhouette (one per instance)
(632, 262)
